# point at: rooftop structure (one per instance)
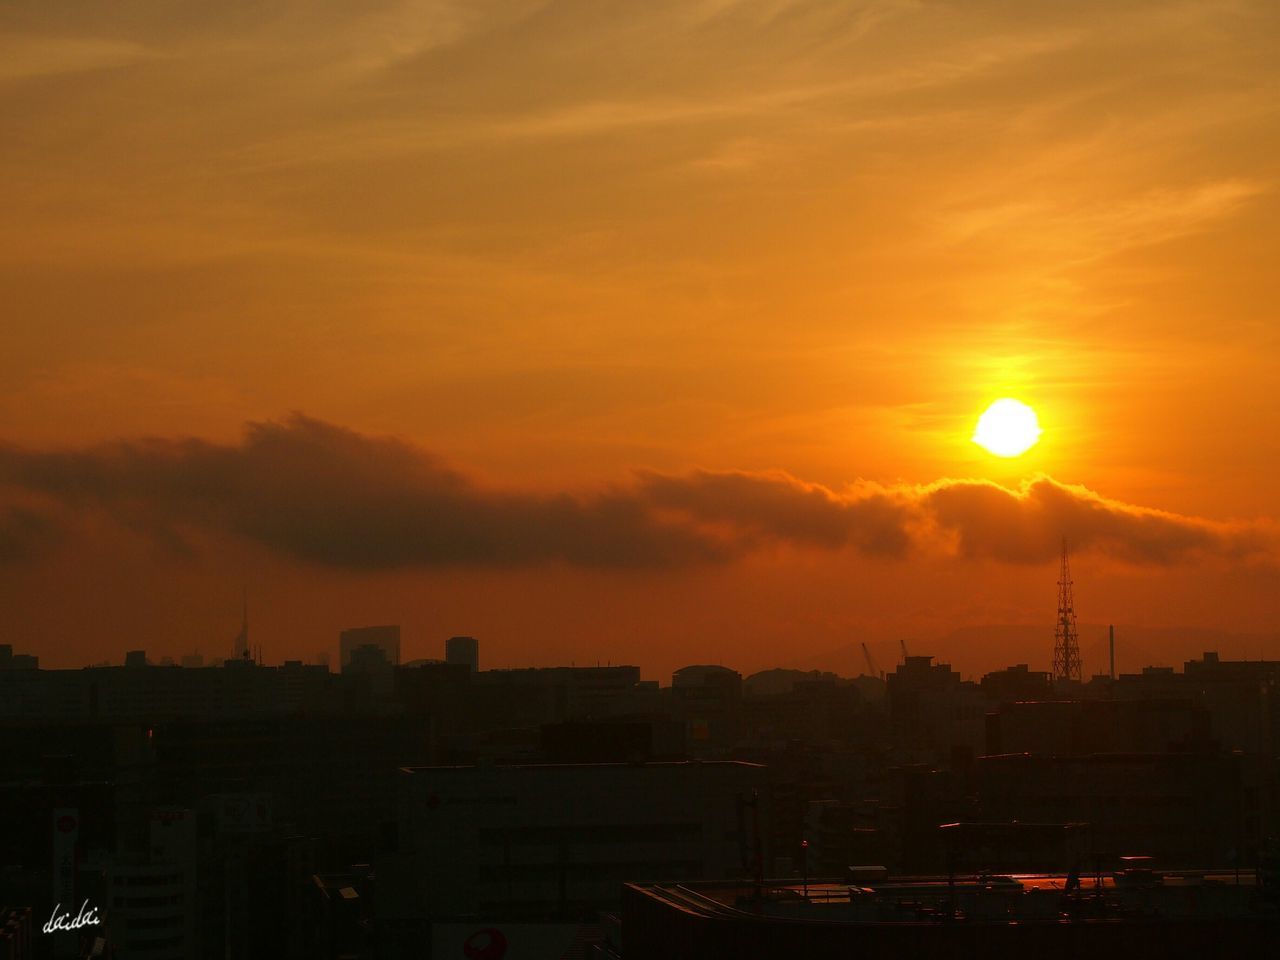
(1132, 912)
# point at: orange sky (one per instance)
(680, 314)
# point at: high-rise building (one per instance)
(240, 646)
(152, 901)
(463, 650)
(385, 638)
(512, 841)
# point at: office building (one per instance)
(385, 638)
(463, 650)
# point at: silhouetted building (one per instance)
(463, 650)
(17, 661)
(385, 638)
(440, 692)
(708, 698)
(613, 741)
(156, 693)
(933, 711)
(1017, 683)
(1185, 809)
(1242, 698)
(530, 697)
(812, 710)
(889, 918)
(307, 787)
(556, 841)
(1075, 727)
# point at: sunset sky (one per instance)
(649, 333)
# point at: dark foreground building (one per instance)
(1130, 914)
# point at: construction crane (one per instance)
(905, 654)
(871, 663)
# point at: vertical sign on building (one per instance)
(66, 830)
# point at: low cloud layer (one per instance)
(1027, 525)
(21, 531)
(328, 495)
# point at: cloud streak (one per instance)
(332, 496)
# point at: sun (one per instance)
(1008, 428)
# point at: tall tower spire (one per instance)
(242, 638)
(1066, 641)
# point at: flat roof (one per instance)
(648, 764)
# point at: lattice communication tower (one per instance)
(1066, 639)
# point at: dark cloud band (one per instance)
(333, 496)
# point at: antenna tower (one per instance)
(241, 646)
(1066, 640)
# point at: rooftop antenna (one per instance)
(1066, 639)
(242, 638)
(1111, 631)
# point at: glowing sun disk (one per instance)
(1007, 428)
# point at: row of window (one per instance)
(519, 872)
(152, 880)
(145, 948)
(590, 833)
(154, 923)
(163, 901)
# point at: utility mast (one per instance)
(1066, 640)
(241, 646)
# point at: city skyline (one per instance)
(708, 479)
(1005, 647)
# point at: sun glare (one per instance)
(1008, 428)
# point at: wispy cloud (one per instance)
(1094, 230)
(24, 57)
